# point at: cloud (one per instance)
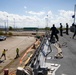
(63, 17)
(36, 13)
(36, 19)
(25, 7)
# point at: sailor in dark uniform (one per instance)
(61, 30)
(67, 29)
(74, 32)
(54, 32)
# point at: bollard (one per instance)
(6, 71)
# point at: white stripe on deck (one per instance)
(52, 66)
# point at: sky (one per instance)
(36, 13)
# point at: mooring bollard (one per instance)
(6, 71)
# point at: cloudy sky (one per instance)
(36, 13)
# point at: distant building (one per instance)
(30, 28)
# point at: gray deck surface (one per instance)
(66, 65)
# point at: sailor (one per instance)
(74, 32)
(67, 29)
(54, 32)
(61, 30)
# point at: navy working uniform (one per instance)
(61, 30)
(74, 32)
(54, 32)
(67, 29)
